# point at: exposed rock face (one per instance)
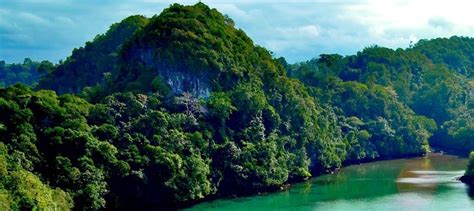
(182, 82)
(179, 80)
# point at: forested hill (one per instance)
(89, 65)
(433, 78)
(26, 73)
(183, 106)
(456, 53)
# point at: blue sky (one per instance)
(296, 29)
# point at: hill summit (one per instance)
(193, 49)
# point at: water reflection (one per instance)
(426, 183)
(470, 192)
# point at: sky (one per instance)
(295, 29)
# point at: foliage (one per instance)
(26, 73)
(408, 78)
(454, 52)
(88, 65)
(22, 190)
(470, 166)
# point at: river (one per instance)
(424, 183)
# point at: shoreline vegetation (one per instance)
(468, 176)
(289, 184)
(468, 180)
(183, 107)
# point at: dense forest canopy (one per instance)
(170, 110)
(429, 89)
(28, 72)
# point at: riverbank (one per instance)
(434, 152)
(291, 183)
(420, 183)
(459, 153)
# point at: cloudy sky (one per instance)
(296, 29)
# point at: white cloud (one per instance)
(306, 31)
(32, 18)
(309, 30)
(295, 29)
(64, 20)
(234, 11)
(394, 23)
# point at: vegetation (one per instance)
(407, 77)
(183, 106)
(48, 136)
(91, 64)
(25, 73)
(470, 166)
(20, 189)
(468, 176)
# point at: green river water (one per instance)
(425, 183)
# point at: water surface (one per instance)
(425, 183)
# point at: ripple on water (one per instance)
(431, 177)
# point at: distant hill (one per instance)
(25, 73)
(454, 52)
(434, 78)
